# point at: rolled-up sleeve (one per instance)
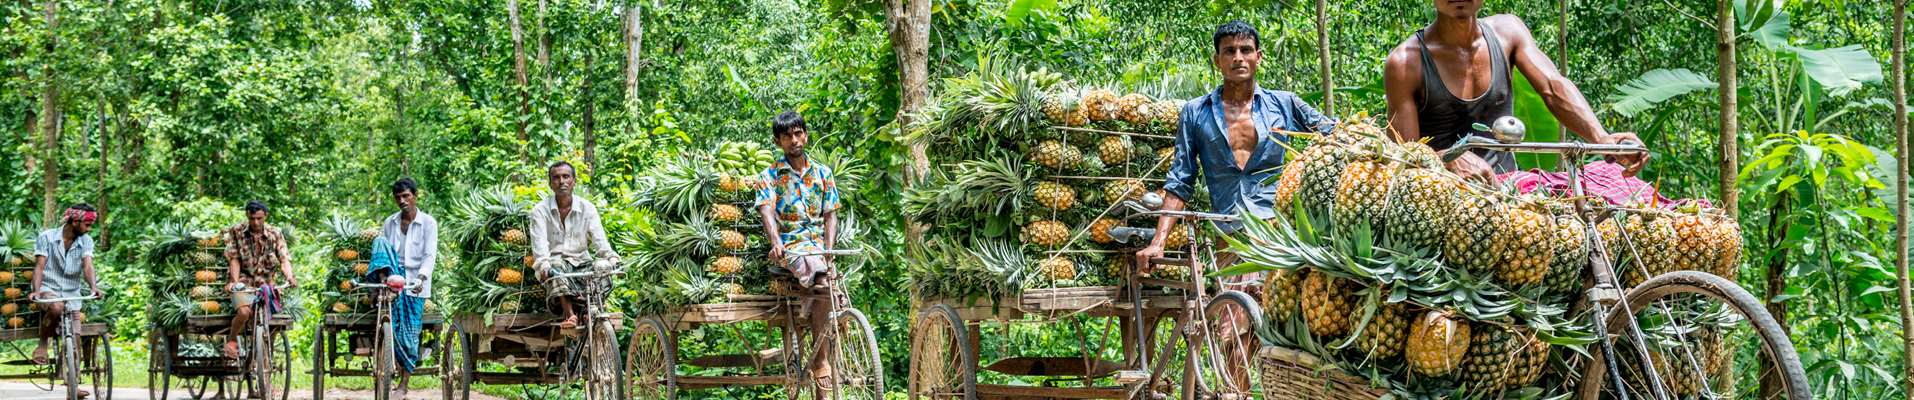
(1309, 118)
(541, 245)
(595, 224)
(1180, 181)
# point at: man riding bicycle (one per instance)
(254, 253)
(797, 200)
(413, 250)
(69, 251)
(566, 236)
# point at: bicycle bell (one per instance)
(1152, 200)
(1509, 130)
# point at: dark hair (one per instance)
(548, 170)
(785, 121)
(256, 206)
(82, 207)
(404, 185)
(1234, 29)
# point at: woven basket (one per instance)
(1291, 374)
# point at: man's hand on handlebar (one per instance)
(1473, 167)
(777, 253)
(1634, 162)
(1143, 257)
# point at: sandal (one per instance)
(40, 356)
(569, 323)
(232, 350)
(822, 378)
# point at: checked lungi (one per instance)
(408, 313)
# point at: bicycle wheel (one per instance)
(858, 368)
(942, 364)
(606, 370)
(281, 363)
(384, 363)
(1695, 326)
(159, 363)
(1170, 360)
(102, 370)
(470, 355)
(69, 363)
(1228, 345)
(651, 359)
(447, 375)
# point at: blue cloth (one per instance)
(408, 312)
(1203, 147)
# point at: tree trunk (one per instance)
(518, 65)
(99, 180)
(1898, 67)
(634, 50)
(544, 45)
(590, 121)
(907, 22)
(50, 120)
(1322, 53)
(1777, 282)
(1730, 151)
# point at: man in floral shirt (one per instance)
(255, 252)
(798, 201)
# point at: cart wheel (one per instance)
(159, 362)
(101, 361)
(942, 364)
(1169, 360)
(281, 363)
(199, 391)
(470, 355)
(1718, 319)
(321, 361)
(604, 379)
(651, 360)
(860, 372)
(1227, 346)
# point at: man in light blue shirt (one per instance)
(415, 238)
(62, 257)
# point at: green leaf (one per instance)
(1642, 93)
(1876, 213)
(1542, 125)
(1774, 33)
(1840, 69)
(1020, 9)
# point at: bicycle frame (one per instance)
(597, 317)
(261, 354)
(382, 371)
(832, 293)
(69, 339)
(1196, 299)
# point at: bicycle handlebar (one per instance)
(592, 273)
(1201, 216)
(838, 252)
(363, 285)
(60, 299)
(1478, 142)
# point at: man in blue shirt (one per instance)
(1230, 137)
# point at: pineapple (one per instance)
(1149, 113)
(1653, 238)
(530, 261)
(509, 276)
(209, 242)
(1528, 362)
(1715, 351)
(1115, 264)
(1179, 236)
(346, 254)
(340, 307)
(725, 212)
(1170, 113)
(1163, 159)
(13, 293)
(202, 258)
(731, 239)
(1383, 337)
(1327, 160)
(1054, 195)
(1437, 344)
(1571, 254)
(729, 288)
(1286, 185)
(1101, 103)
(9, 309)
(513, 236)
(1057, 268)
(1058, 105)
(1113, 150)
(726, 182)
(1527, 250)
(1677, 374)
(367, 235)
(1474, 239)
(204, 292)
(26, 275)
(1487, 365)
(361, 267)
(1419, 202)
(1126, 108)
(15, 262)
(345, 286)
(726, 265)
(1360, 196)
(509, 306)
(1172, 272)
(1610, 230)
(1057, 155)
(1100, 230)
(1047, 233)
(6, 277)
(1282, 293)
(209, 307)
(17, 322)
(1727, 243)
(205, 276)
(1693, 250)
(429, 307)
(1123, 189)
(1327, 303)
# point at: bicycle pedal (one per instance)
(1131, 376)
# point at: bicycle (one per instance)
(384, 344)
(259, 365)
(1217, 344)
(851, 332)
(602, 374)
(1673, 303)
(68, 336)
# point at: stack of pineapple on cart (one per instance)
(502, 328)
(705, 267)
(23, 319)
(343, 343)
(1038, 199)
(192, 314)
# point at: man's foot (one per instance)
(40, 354)
(400, 392)
(569, 322)
(822, 375)
(232, 350)
(84, 394)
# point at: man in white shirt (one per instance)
(415, 236)
(566, 236)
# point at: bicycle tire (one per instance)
(1774, 342)
(321, 361)
(471, 366)
(1222, 329)
(940, 331)
(859, 368)
(159, 365)
(384, 362)
(651, 359)
(69, 364)
(104, 352)
(282, 361)
(446, 340)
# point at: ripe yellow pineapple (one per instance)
(1474, 239)
(1123, 189)
(1127, 108)
(725, 212)
(1652, 238)
(205, 276)
(1571, 254)
(26, 275)
(1286, 185)
(1047, 233)
(209, 242)
(730, 288)
(1100, 230)
(726, 182)
(1057, 268)
(731, 239)
(513, 236)
(429, 306)
(1727, 243)
(1101, 103)
(16, 322)
(1058, 105)
(361, 267)
(1054, 195)
(1327, 304)
(1419, 201)
(1693, 248)
(6, 277)
(1487, 364)
(1282, 293)
(347, 254)
(15, 261)
(13, 293)
(1360, 195)
(345, 285)
(209, 306)
(1437, 344)
(340, 307)
(725, 265)
(1164, 156)
(203, 292)
(1610, 231)
(509, 276)
(9, 309)
(1386, 332)
(1528, 250)
(1057, 155)
(1529, 361)
(368, 234)
(1113, 150)
(1179, 236)
(1170, 112)
(530, 260)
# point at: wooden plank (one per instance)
(1053, 366)
(226, 320)
(509, 378)
(764, 358)
(368, 318)
(1117, 392)
(716, 382)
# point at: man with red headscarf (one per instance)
(62, 256)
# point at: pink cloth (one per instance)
(1600, 178)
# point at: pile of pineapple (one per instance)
(17, 278)
(493, 253)
(1025, 170)
(707, 239)
(189, 274)
(1379, 254)
(350, 257)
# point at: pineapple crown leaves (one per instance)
(164, 242)
(342, 232)
(1371, 301)
(16, 239)
(1277, 245)
(680, 186)
(481, 214)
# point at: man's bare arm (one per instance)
(1564, 100)
(767, 215)
(1402, 77)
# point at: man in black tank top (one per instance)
(1455, 73)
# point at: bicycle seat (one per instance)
(780, 270)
